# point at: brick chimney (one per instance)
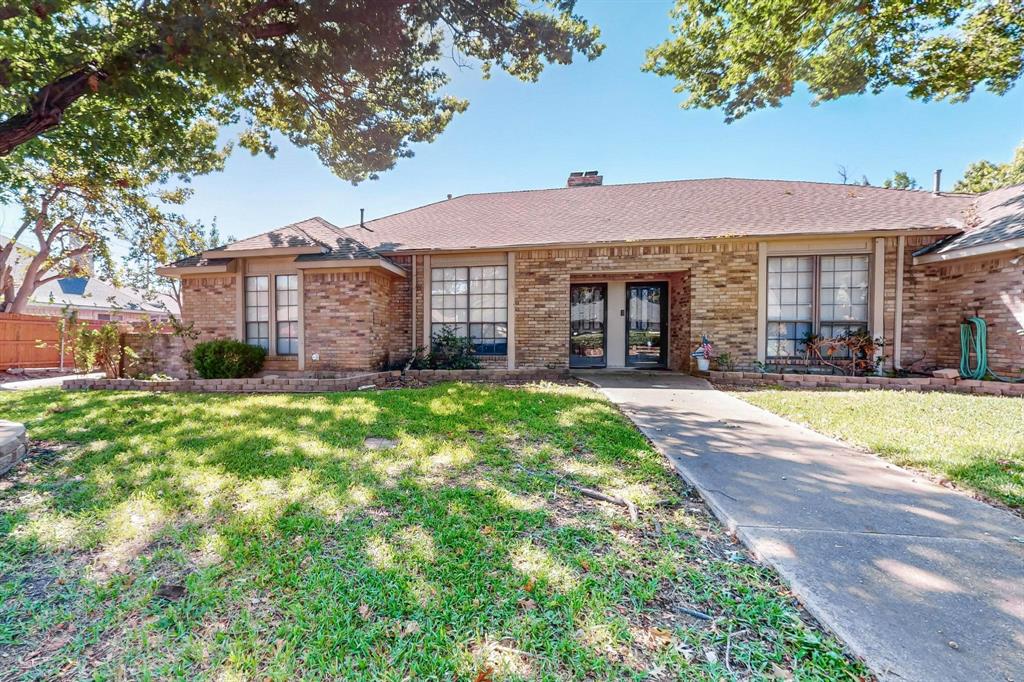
(584, 179)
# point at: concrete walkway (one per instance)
(29, 383)
(922, 582)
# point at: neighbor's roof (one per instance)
(682, 209)
(90, 292)
(998, 220)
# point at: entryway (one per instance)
(637, 320)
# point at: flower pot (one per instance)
(703, 364)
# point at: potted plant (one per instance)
(704, 353)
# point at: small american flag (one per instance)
(706, 348)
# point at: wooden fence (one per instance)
(31, 341)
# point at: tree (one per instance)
(745, 55)
(984, 176)
(70, 208)
(182, 238)
(900, 180)
(357, 81)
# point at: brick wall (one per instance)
(157, 354)
(989, 288)
(210, 302)
(399, 332)
(345, 319)
(715, 291)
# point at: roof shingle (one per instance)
(684, 209)
(998, 217)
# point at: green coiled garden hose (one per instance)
(973, 339)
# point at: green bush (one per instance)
(226, 359)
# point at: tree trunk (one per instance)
(48, 107)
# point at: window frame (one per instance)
(816, 321)
(467, 317)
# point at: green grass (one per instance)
(976, 442)
(184, 536)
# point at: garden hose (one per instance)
(973, 339)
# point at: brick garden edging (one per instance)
(13, 444)
(868, 382)
(393, 379)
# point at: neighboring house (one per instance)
(627, 275)
(93, 299)
(90, 297)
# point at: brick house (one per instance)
(595, 275)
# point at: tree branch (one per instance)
(48, 106)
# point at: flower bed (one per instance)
(276, 384)
(804, 381)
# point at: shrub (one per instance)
(226, 359)
(448, 351)
(100, 347)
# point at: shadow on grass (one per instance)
(302, 553)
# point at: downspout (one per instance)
(897, 342)
(412, 304)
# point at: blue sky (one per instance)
(609, 116)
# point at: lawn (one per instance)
(189, 536)
(976, 442)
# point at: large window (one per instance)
(257, 312)
(286, 314)
(473, 302)
(824, 294)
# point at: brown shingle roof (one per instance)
(684, 209)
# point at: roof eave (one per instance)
(937, 230)
(355, 263)
(970, 251)
(172, 271)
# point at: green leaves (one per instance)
(747, 55)
(984, 176)
(357, 82)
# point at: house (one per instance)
(594, 275)
(90, 297)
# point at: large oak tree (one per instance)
(745, 55)
(108, 107)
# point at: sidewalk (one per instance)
(922, 582)
(46, 382)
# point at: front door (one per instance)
(587, 321)
(647, 324)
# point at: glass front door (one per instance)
(587, 321)
(647, 324)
